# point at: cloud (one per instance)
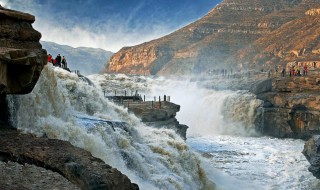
(106, 37)
(4, 3)
(111, 32)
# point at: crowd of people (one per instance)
(58, 61)
(296, 70)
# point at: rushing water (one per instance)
(222, 145)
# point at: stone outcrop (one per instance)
(75, 164)
(311, 152)
(237, 34)
(292, 108)
(160, 115)
(21, 55)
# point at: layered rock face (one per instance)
(21, 55)
(292, 108)
(237, 34)
(159, 114)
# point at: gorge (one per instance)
(236, 34)
(245, 125)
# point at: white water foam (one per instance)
(238, 160)
(69, 109)
(65, 107)
(256, 162)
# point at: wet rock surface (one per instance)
(76, 165)
(311, 152)
(159, 114)
(17, 176)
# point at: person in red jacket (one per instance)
(49, 57)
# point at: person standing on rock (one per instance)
(58, 59)
(290, 71)
(283, 72)
(293, 70)
(49, 58)
(64, 62)
(305, 69)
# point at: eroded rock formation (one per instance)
(21, 55)
(237, 34)
(75, 164)
(159, 114)
(292, 108)
(312, 154)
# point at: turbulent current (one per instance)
(222, 145)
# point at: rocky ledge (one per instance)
(158, 114)
(311, 152)
(291, 109)
(21, 55)
(75, 164)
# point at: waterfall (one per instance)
(208, 111)
(62, 106)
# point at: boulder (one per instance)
(311, 152)
(21, 55)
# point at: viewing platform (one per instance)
(159, 113)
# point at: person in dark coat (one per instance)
(64, 62)
(58, 59)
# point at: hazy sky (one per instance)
(109, 24)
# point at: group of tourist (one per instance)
(295, 70)
(58, 61)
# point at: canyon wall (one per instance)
(236, 34)
(291, 108)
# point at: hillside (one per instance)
(238, 34)
(87, 60)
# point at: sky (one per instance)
(109, 24)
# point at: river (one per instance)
(222, 145)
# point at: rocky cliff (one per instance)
(21, 55)
(291, 109)
(237, 33)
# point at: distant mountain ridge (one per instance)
(238, 34)
(87, 60)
